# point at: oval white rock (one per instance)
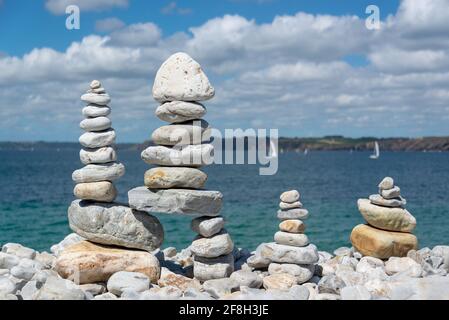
(180, 111)
(188, 156)
(96, 124)
(98, 156)
(98, 172)
(218, 245)
(100, 99)
(207, 226)
(93, 110)
(97, 139)
(192, 132)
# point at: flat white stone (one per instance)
(98, 155)
(93, 110)
(218, 245)
(297, 213)
(180, 201)
(99, 172)
(104, 191)
(188, 156)
(191, 132)
(181, 78)
(124, 280)
(302, 273)
(96, 124)
(291, 239)
(288, 254)
(213, 268)
(100, 99)
(180, 111)
(290, 196)
(207, 226)
(98, 139)
(287, 206)
(390, 194)
(175, 177)
(393, 203)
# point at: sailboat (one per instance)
(376, 154)
(306, 151)
(273, 152)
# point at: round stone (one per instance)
(279, 281)
(123, 280)
(96, 124)
(291, 239)
(97, 139)
(392, 203)
(180, 111)
(192, 132)
(93, 110)
(103, 191)
(99, 172)
(175, 177)
(292, 226)
(100, 99)
(290, 196)
(98, 155)
(218, 245)
(386, 184)
(297, 213)
(95, 84)
(287, 206)
(382, 244)
(302, 273)
(207, 226)
(392, 219)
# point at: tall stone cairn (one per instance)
(176, 184)
(291, 258)
(107, 230)
(388, 232)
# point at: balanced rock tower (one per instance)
(388, 232)
(290, 259)
(110, 229)
(175, 185)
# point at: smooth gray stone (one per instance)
(181, 78)
(291, 239)
(7, 261)
(59, 289)
(26, 269)
(390, 194)
(290, 196)
(99, 172)
(95, 84)
(343, 251)
(93, 288)
(302, 273)
(180, 111)
(207, 226)
(288, 254)
(98, 155)
(218, 245)
(100, 99)
(301, 214)
(115, 224)
(188, 156)
(97, 139)
(188, 133)
(124, 280)
(393, 203)
(386, 184)
(288, 206)
(213, 268)
(30, 289)
(258, 262)
(96, 124)
(180, 201)
(18, 250)
(97, 90)
(247, 279)
(93, 110)
(330, 284)
(7, 286)
(220, 287)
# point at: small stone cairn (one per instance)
(388, 232)
(291, 258)
(106, 230)
(175, 185)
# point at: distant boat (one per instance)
(376, 154)
(273, 151)
(306, 151)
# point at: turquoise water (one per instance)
(36, 189)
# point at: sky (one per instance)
(307, 68)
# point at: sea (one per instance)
(36, 190)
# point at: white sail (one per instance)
(376, 154)
(273, 152)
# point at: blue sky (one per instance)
(309, 68)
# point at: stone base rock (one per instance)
(288, 254)
(213, 268)
(382, 244)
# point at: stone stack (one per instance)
(96, 180)
(108, 230)
(388, 232)
(175, 185)
(290, 259)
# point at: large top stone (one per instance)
(392, 219)
(181, 78)
(115, 225)
(180, 201)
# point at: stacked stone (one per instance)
(388, 232)
(175, 185)
(107, 230)
(95, 180)
(291, 258)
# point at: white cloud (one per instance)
(59, 6)
(109, 24)
(173, 8)
(137, 35)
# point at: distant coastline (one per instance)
(286, 144)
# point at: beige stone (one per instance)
(280, 281)
(175, 177)
(103, 191)
(178, 281)
(382, 244)
(86, 262)
(292, 226)
(391, 219)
